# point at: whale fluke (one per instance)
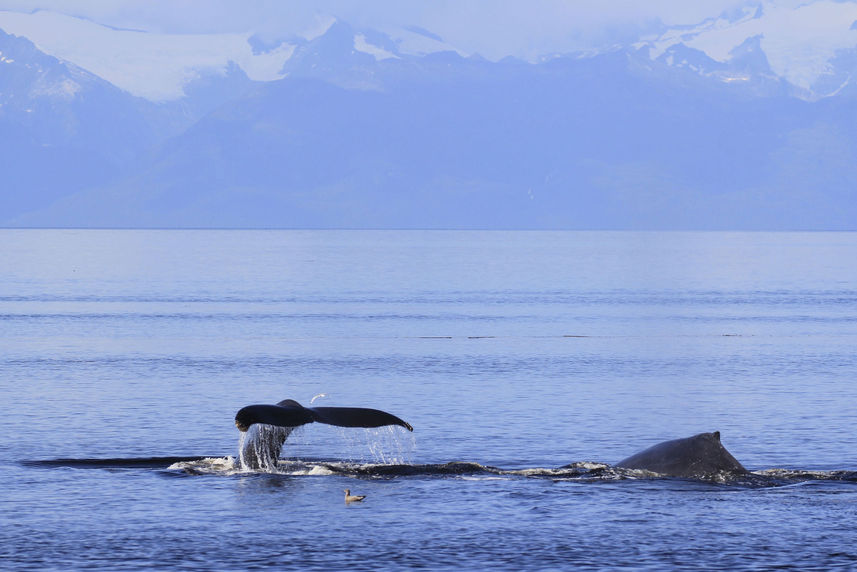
(290, 413)
(356, 417)
(695, 456)
(274, 423)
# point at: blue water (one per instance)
(513, 353)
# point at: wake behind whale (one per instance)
(700, 457)
(578, 472)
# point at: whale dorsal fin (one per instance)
(289, 403)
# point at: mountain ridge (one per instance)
(360, 138)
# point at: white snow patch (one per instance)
(65, 89)
(151, 65)
(362, 45)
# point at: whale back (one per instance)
(695, 456)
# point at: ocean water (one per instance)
(527, 363)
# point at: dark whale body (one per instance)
(695, 456)
(272, 424)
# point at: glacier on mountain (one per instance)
(807, 46)
(155, 66)
(800, 43)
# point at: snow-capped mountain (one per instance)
(813, 47)
(154, 66)
(698, 127)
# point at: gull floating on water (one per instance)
(353, 498)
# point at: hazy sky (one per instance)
(493, 28)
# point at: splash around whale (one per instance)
(270, 425)
(695, 457)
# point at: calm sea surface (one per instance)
(124, 356)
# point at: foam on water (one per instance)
(592, 472)
(208, 465)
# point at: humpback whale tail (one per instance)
(272, 424)
(290, 413)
